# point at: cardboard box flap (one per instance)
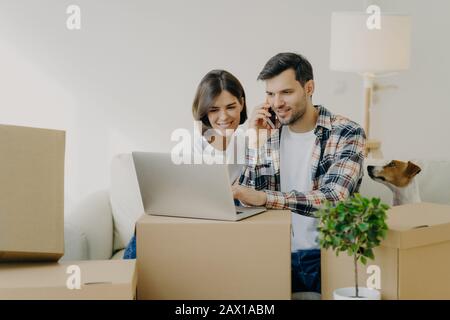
(56, 275)
(267, 217)
(418, 224)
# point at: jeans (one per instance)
(305, 270)
(130, 251)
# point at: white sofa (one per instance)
(103, 223)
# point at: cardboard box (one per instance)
(31, 194)
(103, 279)
(181, 258)
(414, 259)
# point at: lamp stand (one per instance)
(373, 147)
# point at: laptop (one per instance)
(187, 190)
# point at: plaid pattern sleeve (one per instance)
(337, 167)
(259, 172)
(342, 178)
(251, 174)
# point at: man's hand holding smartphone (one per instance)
(262, 117)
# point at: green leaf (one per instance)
(336, 240)
(346, 228)
(351, 236)
(369, 253)
(363, 227)
(363, 260)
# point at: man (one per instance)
(314, 156)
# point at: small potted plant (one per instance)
(355, 225)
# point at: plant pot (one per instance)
(363, 293)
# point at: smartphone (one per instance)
(273, 118)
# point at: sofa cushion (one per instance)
(434, 180)
(93, 220)
(75, 244)
(125, 197)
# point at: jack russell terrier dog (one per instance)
(399, 177)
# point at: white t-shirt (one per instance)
(295, 174)
(235, 165)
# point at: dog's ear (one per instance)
(412, 169)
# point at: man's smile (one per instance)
(283, 112)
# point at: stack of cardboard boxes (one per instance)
(32, 226)
(180, 258)
(412, 262)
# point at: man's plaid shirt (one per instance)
(337, 165)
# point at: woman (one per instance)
(219, 107)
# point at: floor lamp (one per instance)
(358, 47)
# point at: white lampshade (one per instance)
(356, 48)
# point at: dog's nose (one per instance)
(370, 170)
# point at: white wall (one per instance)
(413, 121)
(126, 80)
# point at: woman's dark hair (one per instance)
(287, 60)
(210, 87)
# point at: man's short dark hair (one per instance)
(287, 60)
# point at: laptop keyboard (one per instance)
(240, 209)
